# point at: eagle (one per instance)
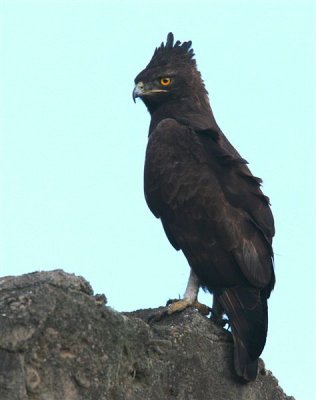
(210, 205)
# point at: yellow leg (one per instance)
(181, 305)
(178, 306)
(189, 300)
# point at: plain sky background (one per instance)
(73, 144)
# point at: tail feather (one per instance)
(245, 367)
(248, 314)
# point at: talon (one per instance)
(218, 319)
(170, 301)
(178, 306)
(174, 306)
(181, 305)
(202, 308)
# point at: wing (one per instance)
(241, 188)
(254, 254)
(209, 203)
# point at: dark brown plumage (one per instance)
(211, 206)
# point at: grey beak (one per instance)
(138, 90)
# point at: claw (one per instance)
(218, 320)
(174, 306)
(202, 308)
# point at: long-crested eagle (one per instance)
(210, 205)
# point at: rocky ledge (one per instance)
(60, 342)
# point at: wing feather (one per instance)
(210, 205)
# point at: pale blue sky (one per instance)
(73, 144)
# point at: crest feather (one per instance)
(171, 52)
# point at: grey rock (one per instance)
(60, 342)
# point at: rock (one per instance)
(59, 342)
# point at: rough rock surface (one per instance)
(59, 342)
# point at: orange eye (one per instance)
(165, 81)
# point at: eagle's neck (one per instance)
(193, 111)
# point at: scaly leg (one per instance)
(189, 300)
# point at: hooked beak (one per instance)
(138, 90)
(141, 90)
